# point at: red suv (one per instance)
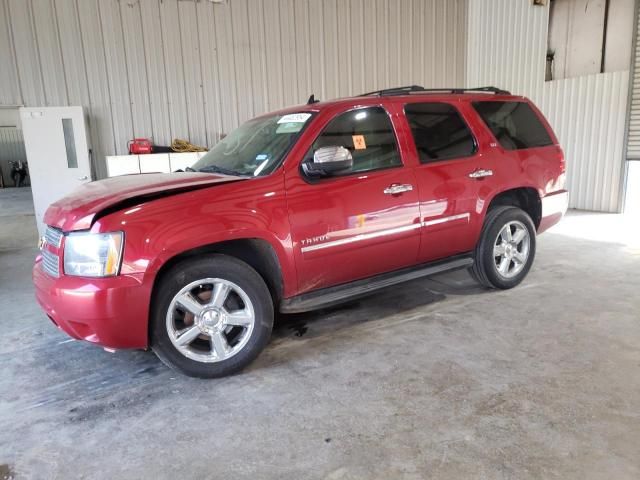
(301, 209)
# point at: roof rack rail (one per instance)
(395, 91)
(496, 90)
(418, 89)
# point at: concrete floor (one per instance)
(436, 378)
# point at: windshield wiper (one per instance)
(186, 169)
(224, 171)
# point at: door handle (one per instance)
(397, 188)
(83, 178)
(481, 173)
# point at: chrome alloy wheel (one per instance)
(210, 320)
(511, 249)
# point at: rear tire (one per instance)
(211, 316)
(506, 250)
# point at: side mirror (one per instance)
(330, 161)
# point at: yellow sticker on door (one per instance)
(358, 142)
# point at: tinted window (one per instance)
(439, 131)
(514, 124)
(367, 133)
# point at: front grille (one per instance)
(50, 263)
(53, 236)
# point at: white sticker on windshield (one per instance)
(295, 118)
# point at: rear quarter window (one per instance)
(439, 132)
(514, 124)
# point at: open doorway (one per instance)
(16, 201)
(14, 170)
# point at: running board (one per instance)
(328, 297)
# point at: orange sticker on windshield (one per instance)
(358, 142)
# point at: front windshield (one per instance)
(255, 148)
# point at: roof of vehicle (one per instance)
(404, 94)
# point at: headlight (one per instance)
(92, 254)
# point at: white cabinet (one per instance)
(154, 163)
(180, 161)
(150, 163)
(122, 165)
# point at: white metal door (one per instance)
(55, 140)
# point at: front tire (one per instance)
(211, 316)
(507, 248)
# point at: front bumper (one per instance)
(554, 206)
(112, 312)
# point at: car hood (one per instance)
(79, 209)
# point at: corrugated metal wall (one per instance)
(633, 124)
(507, 42)
(195, 70)
(588, 114)
(183, 68)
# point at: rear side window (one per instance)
(439, 132)
(514, 124)
(367, 133)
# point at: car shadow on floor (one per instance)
(391, 301)
(378, 305)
